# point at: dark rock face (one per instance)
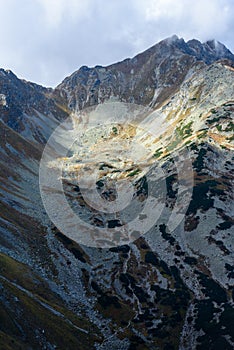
(23, 98)
(166, 290)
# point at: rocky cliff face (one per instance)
(171, 288)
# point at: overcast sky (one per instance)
(46, 40)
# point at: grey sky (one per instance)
(46, 40)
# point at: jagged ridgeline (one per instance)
(171, 288)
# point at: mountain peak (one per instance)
(171, 39)
(213, 44)
(219, 48)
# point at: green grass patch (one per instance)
(230, 127)
(202, 134)
(185, 131)
(158, 153)
(134, 172)
(115, 130)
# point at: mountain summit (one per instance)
(160, 126)
(149, 77)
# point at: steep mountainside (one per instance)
(160, 124)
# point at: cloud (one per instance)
(55, 11)
(45, 40)
(155, 10)
(202, 19)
